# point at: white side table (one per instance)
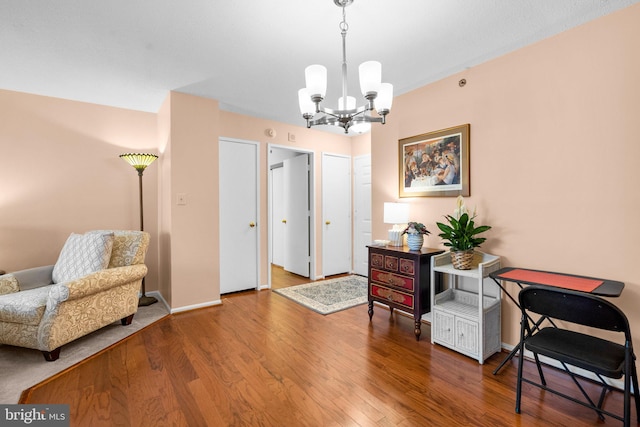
(466, 315)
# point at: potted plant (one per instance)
(415, 232)
(461, 236)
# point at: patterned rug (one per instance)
(329, 296)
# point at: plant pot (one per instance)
(462, 260)
(415, 241)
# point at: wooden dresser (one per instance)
(400, 278)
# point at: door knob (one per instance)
(327, 222)
(284, 221)
(252, 224)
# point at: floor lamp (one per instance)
(140, 161)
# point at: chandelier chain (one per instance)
(343, 25)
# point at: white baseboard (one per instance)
(195, 306)
(158, 295)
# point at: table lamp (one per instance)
(396, 214)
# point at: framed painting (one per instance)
(435, 164)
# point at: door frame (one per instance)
(312, 207)
(274, 170)
(357, 216)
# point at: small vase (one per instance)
(462, 260)
(415, 241)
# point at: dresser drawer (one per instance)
(407, 266)
(391, 295)
(377, 260)
(390, 279)
(391, 263)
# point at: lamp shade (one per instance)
(315, 77)
(370, 77)
(396, 213)
(385, 98)
(361, 127)
(351, 103)
(307, 107)
(139, 160)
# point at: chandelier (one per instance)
(347, 115)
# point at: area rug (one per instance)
(329, 296)
(22, 368)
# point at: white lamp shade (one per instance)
(362, 127)
(396, 213)
(351, 103)
(315, 77)
(306, 104)
(370, 77)
(385, 98)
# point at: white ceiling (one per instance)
(250, 55)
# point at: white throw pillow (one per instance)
(82, 254)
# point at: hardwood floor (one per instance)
(280, 278)
(260, 359)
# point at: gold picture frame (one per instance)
(435, 164)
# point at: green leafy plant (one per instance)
(416, 228)
(461, 234)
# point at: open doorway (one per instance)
(291, 240)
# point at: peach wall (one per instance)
(553, 150)
(61, 174)
(361, 145)
(190, 231)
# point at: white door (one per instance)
(239, 175)
(362, 214)
(336, 214)
(277, 216)
(297, 251)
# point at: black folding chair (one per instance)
(602, 357)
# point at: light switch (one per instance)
(181, 199)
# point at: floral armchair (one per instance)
(95, 282)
